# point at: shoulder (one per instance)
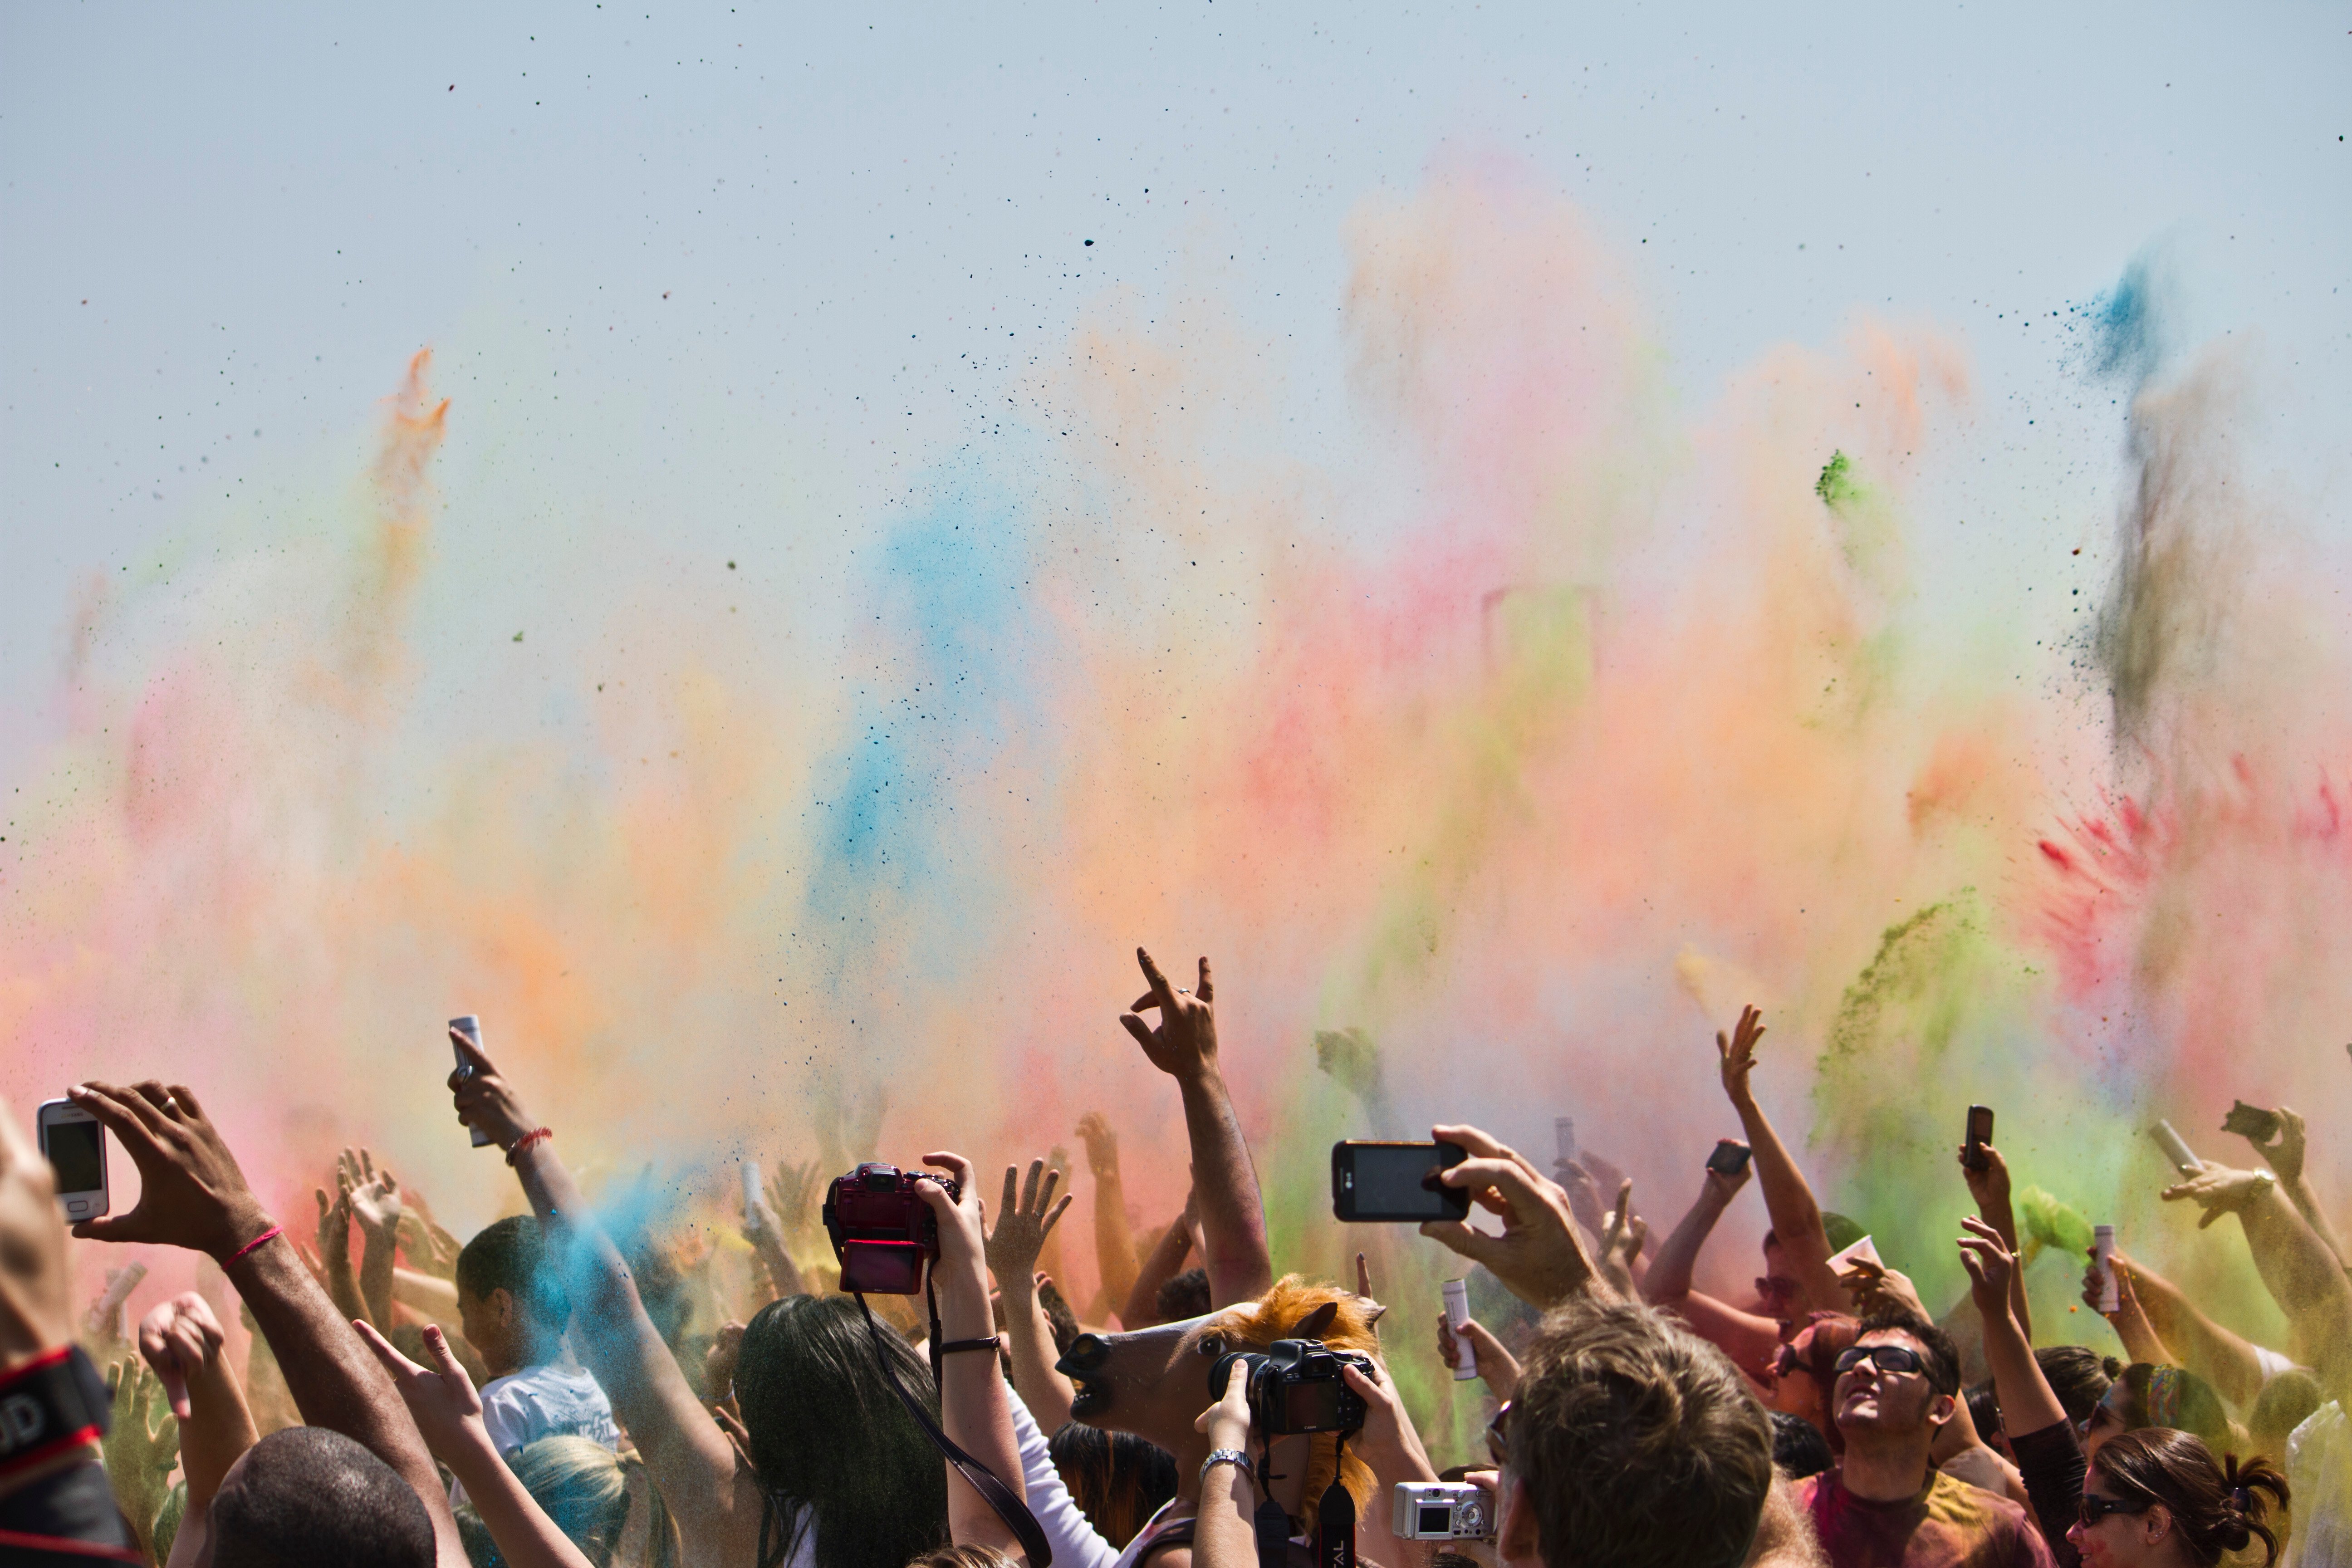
(1957, 1501)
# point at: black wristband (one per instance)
(990, 1343)
(49, 1404)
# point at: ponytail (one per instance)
(2217, 1508)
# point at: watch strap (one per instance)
(1232, 1457)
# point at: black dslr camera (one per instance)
(882, 1231)
(1296, 1386)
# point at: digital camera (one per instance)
(1296, 1386)
(882, 1231)
(1440, 1510)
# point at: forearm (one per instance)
(1788, 1200)
(1046, 1391)
(1669, 1280)
(343, 1284)
(526, 1537)
(1167, 1261)
(2002, 1216)
(2302, 1274)
(334, 1380)
(1114, 1238)
(784, 1274)
(976, 1416)
(686, 1453)
(428, 1295)
(1233, 1214)
(219, 1427)
(2307, 1204)
(1226, 1535)
(1748, 1340)
(2027, 1401)
(375, 1277)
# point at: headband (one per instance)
(2164, 1396)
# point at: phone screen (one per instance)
(1385, 1180)
(1979, 1125)
(73, 1149)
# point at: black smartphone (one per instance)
(1730, 1157)
(1374, 1184)
(2252, 1122)
(1980, 1135)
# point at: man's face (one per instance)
(487, 1321)
(1872, 1399)
(1776, 1288)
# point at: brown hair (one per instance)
(1640, 1445)
(1277, 1315)
(2216, 1507)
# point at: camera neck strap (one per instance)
(1335, 1517)
(999, 1496)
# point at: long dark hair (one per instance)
(2216, 1507)
(829, 1435)
(1117, 1480)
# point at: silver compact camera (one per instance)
(1441, 1510)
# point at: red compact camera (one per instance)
(883, 1232)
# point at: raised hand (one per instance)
(441, 1398)
(334, 1232)
(2217, 1190)
(1990, 1186)
(428, 1248)
(1878, 1289)
(1622, 1240)
(1184, 1042)
(142, 1447)
(482, 1098)
(1351, 1058)
(1721, 1188)
(1538, 1257)
(191, 1192)
(1990, 1264)
(178, 1339)
(1738, 1051)
(796, 1194)
(374, 1194)
(2283, 1154)
(1022, 1224)
(1102, 1143)
(1496, 1365)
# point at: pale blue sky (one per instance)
(685, 260)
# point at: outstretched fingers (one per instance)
(445, 1359)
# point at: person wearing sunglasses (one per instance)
(1885, 1505)
(2155, 1499)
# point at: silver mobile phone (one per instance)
(74, 1143)
(471, 1027)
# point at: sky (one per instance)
(1414, 388)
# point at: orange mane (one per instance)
(1274, 1316)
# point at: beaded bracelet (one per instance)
(526, 1140)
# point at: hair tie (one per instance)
(2241, 1499)
(2164, 1396)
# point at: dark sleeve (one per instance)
(2052, 1462)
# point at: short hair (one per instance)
(1798, 1449)
(1943, 1358)
(1984, 1408)
(1184, 1296)
(511, 1255)
(306, 1495)
(2286, 1402)
(1639, 1443)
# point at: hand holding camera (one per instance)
(1538, 1257)
(36, 1306)
(191, 1192)
(2277, 1136)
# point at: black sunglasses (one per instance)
(1498, 1436)
(2095, 1508)
(1886, 1358)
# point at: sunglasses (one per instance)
(2094, 1509)
(1773, 1290)
(1498, 1437)
(1886, 1358)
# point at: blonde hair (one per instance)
(583, 1487)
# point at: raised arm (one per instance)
(686, 1453)
(1989, 1188)
(1669, 1280)
(2049, 1458)
(2158, 1323)
(1115, 1260)
(1166, 1262)
(1026, 1217)
(973, 1409)
(2284, 1154)
(374, 1198)
(182, 1340)
(448, 1410)
(191, 1195)
(1539, 1256)
(1796, 1217)
(1351, 1058)
(2303, 1276)
(1184, 1044)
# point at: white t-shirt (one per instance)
(1075, 1541)
(547, 1401)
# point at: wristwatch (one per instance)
(1232, 1457)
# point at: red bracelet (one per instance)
(257, 1241)
(526, 1140)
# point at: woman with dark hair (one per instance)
(861, 1488)
(1117, 1480)
(2155, 1496)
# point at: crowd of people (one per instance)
(568, 1387)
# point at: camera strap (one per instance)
(1335, 1518)
(1271, 1524)
(992, 1491)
